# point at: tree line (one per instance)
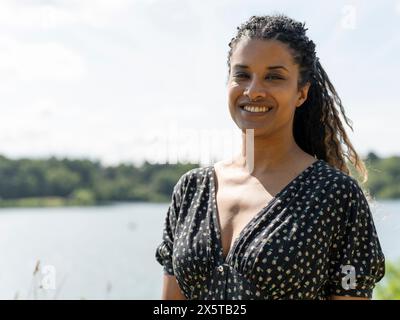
(83, 181)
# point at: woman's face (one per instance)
(263, 73)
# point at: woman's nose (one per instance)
(254, 90)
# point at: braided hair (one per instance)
(317, 128)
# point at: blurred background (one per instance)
(105, 103)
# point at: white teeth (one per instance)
(256, 109)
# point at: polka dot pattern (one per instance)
(294, 248)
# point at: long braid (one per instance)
(317, 127)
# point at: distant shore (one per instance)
(46, 202)
(55, 182)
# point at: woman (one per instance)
(283, 219)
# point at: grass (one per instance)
(389, 287)
(38, 291)
(35, 202)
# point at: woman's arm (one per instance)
(171, 290)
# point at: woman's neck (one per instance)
(262, 155)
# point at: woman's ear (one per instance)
(303, 93)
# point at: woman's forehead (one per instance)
(253, 52)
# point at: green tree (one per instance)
(83, 196)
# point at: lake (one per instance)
(106, 252)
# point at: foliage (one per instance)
(58, 182)
(44, 182)
(389, 287)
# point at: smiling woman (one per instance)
(283, 219)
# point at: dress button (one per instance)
(221, 268)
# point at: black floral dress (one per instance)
(315, 238)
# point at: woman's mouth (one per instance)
(256, 110)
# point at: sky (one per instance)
(128, 81)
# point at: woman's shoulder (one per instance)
(193, 178)
(339, 186)
(334, 177)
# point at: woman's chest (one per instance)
(236, 207)
(283, 248)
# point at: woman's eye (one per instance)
(240, 75)
(272, 77)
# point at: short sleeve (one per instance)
(165, 248)
(357, 262)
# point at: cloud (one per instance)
(29, 61)
(91, 77)
(49, 14)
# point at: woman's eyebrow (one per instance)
(243, 66)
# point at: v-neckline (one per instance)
(213, 192)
